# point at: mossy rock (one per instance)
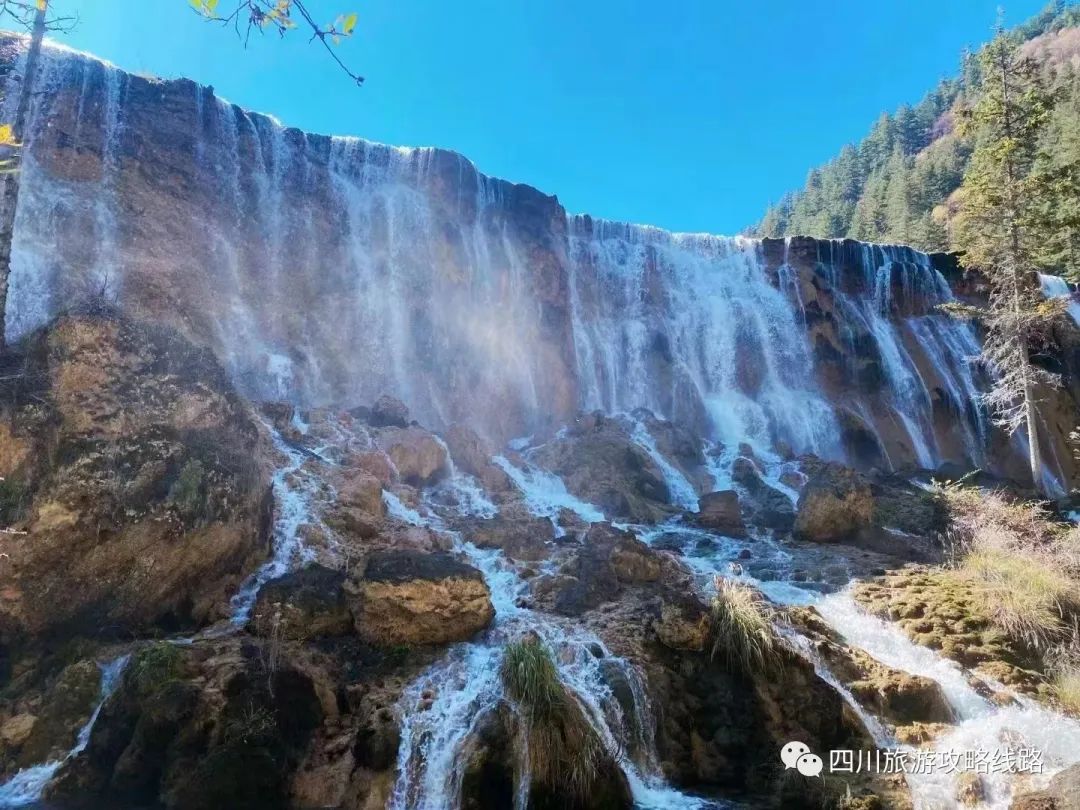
(943, 610)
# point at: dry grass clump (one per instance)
(1067, 688)
(1025, 565)
(563, 749)
(742, 630)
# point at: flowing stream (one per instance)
(441, 708)
(27, 785)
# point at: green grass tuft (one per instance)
(564, 751)
(742, 629)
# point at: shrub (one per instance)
(564, 750)
(12, 501)
(187, 491)
(155, 666)
(742, 630)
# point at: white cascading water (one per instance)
(333, 270)
(644, 298)
(950, 345)
(982, 725)
(425, 287)
(293, 490)
(26, 787)
(1057, 287)
(683, 494)
(441, 708)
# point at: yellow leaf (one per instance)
(350, 23)
(7, 135)
(41, 4)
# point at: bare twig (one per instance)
(263, 15)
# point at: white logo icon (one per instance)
(809, 765)
(791, 752)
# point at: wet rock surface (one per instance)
(600, 464)
(143, 481)
(410, 597)
(306, 604)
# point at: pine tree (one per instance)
(997, 231)
(1057, 172)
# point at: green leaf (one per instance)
(350, 23)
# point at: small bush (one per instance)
(564, 751)
(742, 630)
(155, 666)
(1023, 564)
(188, 490)
(12, 501)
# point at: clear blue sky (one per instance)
(690, 115)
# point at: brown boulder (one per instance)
(600, 464)
(389, 411)
(244, 711)
(472, 455)
(835, 505)
(16, 730)
(419, 457)
(521, 537)
(683, 625)
(304, 604)
(764, 505)
(412, 597)
(1063, 793)
(720, 511)
(361, 490)
(608, 559)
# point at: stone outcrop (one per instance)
(835, 504)
(600, 464)
(607, 560)
(484, 287)
(941, 610)
(210, 726)
(411, 597)
(1062, 793)
(418, 456)
(137, 482)
(305, 604)
(898, 697)
(721, 512)
(766, 507)
(42, 721)
(520, 536)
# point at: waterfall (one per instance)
(1057, 287)
(293, 492)
(945, 346)
(26, 787)
(662, 320)
(440, 709)
(331, 270)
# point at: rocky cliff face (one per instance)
(331, 270)
(134, 484)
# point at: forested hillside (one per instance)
(901, 183)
